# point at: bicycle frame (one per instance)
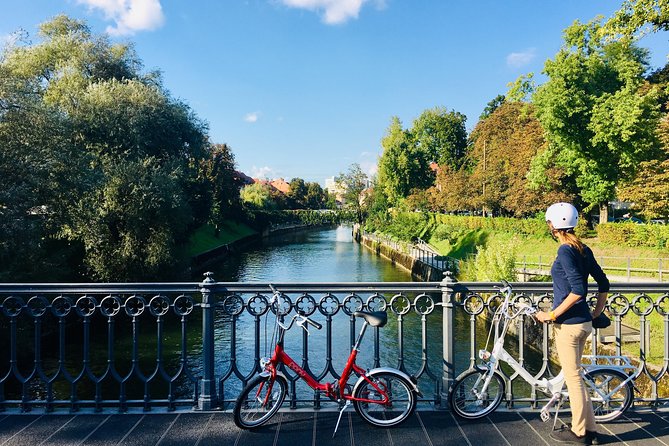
(335, 391)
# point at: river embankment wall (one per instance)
(418, 269)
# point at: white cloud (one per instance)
(130, 16)
(517, 60)
(252, 117)
(334, 11)
(261, 172)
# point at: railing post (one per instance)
(207, 399)
(448, 322)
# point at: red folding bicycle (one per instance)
(382, 396)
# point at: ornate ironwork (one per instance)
(196, 344)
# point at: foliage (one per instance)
(491, 106)
(222, 183)
(634, 235)
(441, 135)
(637, 18)
(598, 121)
(261, 196)
(492, 263)
(110, 159)
(354, 182)
(306, 195)
(452, 191)
(502, 150)
(402, 166)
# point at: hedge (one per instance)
(634, 235)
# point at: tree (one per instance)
(491, 106)
(598, 121)
(403, 166)
(316, 197)
(453, 190)
(353, 183)
(442, 136)
(636, 18)
(220, 181)
(297, 193)
(119, 155)
(260, 196)
(503, 147)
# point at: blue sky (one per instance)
(305, 88)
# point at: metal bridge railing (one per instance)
(169, 345)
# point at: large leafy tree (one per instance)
(403, 165)
(503, 147)
(638, 17)
(441, 135)
(119, 144)
(598, 120)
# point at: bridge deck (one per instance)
(293, 428)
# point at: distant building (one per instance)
(335, 189)
(281, 185)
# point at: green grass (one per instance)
(204, 238)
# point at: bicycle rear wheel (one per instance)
(259, 401)
(609, 393)
(469, 401)
(401, 404)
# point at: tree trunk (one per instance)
(604, 212)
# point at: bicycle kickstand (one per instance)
(557, 412)
(341, 412)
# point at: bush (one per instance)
(634, 235)
(492, 264)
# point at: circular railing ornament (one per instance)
(111, 306)
(662, 305)
(233, 305)
(619, 305)
(305, 305)
(376, 302)
(134, 305)
(257, 305)
(12, 306)
(85, 306)
(545, 302)
(400, 304)
(353, 303)
(183, 305)
(329, 305)
(37, 306)
(281, 304)
(159, 305)
(642, 305)
(423, 304)
(61, 306)
(494, 302)
(473, 304)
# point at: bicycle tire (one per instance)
(464, 400)
(606, 381)
(402, 399)
(254, 407)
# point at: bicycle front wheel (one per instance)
(370, 403)
(259, 401)
(609, 393)
(469, 400)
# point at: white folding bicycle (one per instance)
(477, 393)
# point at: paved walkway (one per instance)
(294, 428)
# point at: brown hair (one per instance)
(570, 238)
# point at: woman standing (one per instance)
(571, 316)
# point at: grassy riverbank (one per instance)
(205, 238)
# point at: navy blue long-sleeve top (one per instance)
(570, 273)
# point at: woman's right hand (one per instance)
(543, 317)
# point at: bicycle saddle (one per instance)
(373, 318)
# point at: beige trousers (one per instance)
(570, 341)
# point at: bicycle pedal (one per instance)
(545, 416)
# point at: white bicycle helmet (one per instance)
(562, 215)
